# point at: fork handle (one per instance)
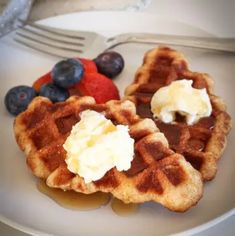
(219, 44)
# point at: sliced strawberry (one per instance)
(98, 86)
(42, 80)
(89, 65)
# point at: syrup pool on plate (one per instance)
(74, 200)
(123, 209)
(79, 201)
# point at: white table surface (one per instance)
(214, 16)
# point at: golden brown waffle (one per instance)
(201, 144)
(157, 173)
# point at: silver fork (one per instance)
(67, 43)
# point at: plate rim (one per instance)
(150, 15)
(194, 230)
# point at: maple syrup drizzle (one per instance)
(123, 209)
(79, 201)
(74, 200)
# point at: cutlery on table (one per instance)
(68, 43)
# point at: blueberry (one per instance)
(18, 98)
(67, 73)
(53, 92)
(109, 63)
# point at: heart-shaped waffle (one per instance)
(157, 173)
(202, 144)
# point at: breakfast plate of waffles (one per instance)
(177, 174)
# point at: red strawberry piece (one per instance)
(98, 86)
(89, 65)
(45, 79)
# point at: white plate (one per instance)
(23, 207)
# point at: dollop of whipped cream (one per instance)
(182, 98)
(95, 145)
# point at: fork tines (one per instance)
(55, 41)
